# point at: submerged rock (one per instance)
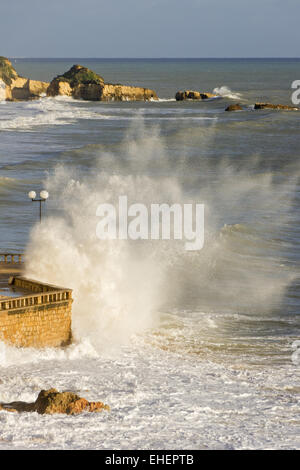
(19, 88)
(193, 95)
(51, 401)
(275, 106)
(234, 107)
(82, 83)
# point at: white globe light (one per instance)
(32, 194)
(44, 194)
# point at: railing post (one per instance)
(11, 258)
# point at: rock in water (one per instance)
(19, 88)
(82, 83)
(275, 106)
(234, 107)
(193, 95)
(51, 401)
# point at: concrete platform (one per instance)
(12, 268)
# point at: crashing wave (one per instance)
(225, 92)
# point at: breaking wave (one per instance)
(121, 287)
(225, 92)
(45, 112)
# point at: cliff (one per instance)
(82, 83)
(16, 87)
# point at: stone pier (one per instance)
(40, 316)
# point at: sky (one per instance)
(150, 28)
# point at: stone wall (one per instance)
(39, 319)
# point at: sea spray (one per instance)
(121, 286)
(225, 92)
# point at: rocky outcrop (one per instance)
(127, 93)
(59, 87)
(19, 88)
(51, 401)
(82, 83)
(275, 106)
(79, 82)
(193, 95)
(234, 107)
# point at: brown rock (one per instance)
(275, 106)
(19, 88)
(37, 88)
(97, 406)
(193, 95)
(51, 401)
(234, 107)
(59, 88)
(88, 92)
(82, 83)
(77, 406)
(127, 93)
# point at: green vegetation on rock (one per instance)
(7, 72)
(79, 75)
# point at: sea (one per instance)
(190, 349)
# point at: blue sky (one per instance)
(153, 28)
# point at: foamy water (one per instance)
(190, 350)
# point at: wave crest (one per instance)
(225, 92)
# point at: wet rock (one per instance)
(234, 107)
(275, 106)
(51, 402)
(193, 95)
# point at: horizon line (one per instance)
(159, 58)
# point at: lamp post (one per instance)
(43, 198)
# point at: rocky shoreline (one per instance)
(19, 88)
(79, 82)
(82, 83)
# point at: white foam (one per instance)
(159, 399)
(188, 376)
(225, 92)
(163, 100)
(62, 111)
(119, 286)
(48, 112)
